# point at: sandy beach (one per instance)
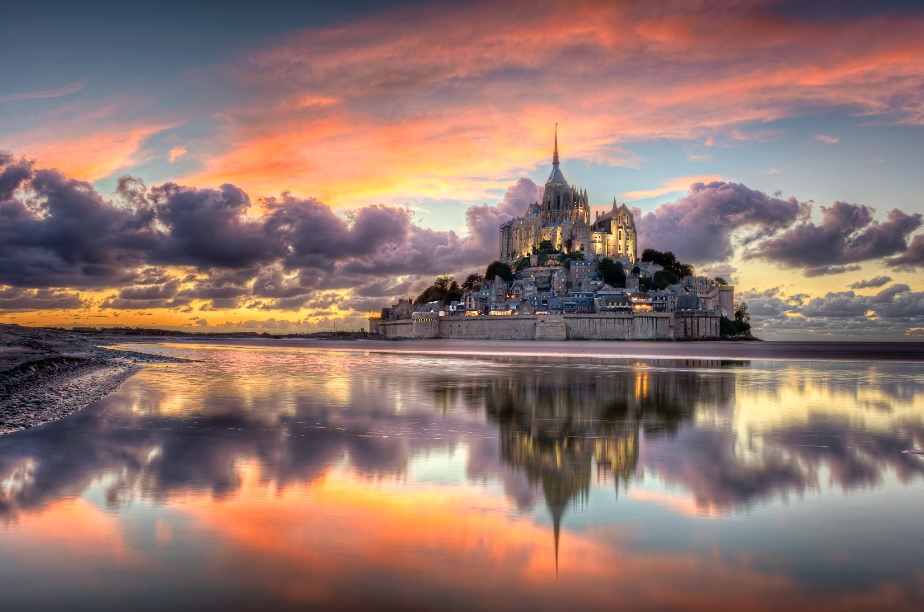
(46, 375)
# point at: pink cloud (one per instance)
(176, 153)
(440, 101)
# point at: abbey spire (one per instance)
(555, 155)
(556, 176)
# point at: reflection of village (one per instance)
(563, 426)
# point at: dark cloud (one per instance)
(317, 237)
(707, 225)
(913, 256)
(15, 299)
(150, 292)
(892, 302)
(827, 270)
(298, 254)
(208, 228)
(63, 234)
(894, 311)
(698, 227)
(848, 234)
(876, 281)
(13, 176)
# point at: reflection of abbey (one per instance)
(563, 218)
(565, 427)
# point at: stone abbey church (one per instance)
(563, 218)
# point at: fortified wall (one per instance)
(693, 325)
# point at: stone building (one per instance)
(563, 218)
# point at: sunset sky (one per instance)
(279, 166)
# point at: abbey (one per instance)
(563, 218)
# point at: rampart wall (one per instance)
(648, 326)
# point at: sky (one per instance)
(287, 168)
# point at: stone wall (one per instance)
(648, 326)
(695, 326)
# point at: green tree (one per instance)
(612, 272)
(663, 278)
(742, 318)
(444, 289)
(721, 281)
(498, 269)
(444, 282)
(522, 264)
(636, 270)
(668, 261)
(471, 281)
(727, 327)
(567, 258)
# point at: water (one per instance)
(273, 477)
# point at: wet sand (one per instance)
(46, 375)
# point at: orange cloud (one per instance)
(88, 154)
(676, 185)
(176, 153)
(450, 105)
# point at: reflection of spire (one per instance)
(558, 431)
(557, 527)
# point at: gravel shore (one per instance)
(46, 375)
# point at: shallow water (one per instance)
(268, 476)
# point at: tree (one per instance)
(567, 258)
(499, 269)
(522, 264)
(444, 289)
(546, 246)
(471, 281)
(444, 282)
(668, 261)
(612, 272)
(742, 319)
(721, 281)
(664, 278)
(727, 327)
(636, 270)
(741, 312)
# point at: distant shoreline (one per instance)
(900, 352)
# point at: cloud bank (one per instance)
(184, 248)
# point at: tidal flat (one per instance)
(472, 475)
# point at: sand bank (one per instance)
(46, 375)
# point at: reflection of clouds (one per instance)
(729, 434)
(853, 458)
(171, 430)
(872, 396)
(799, 428)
